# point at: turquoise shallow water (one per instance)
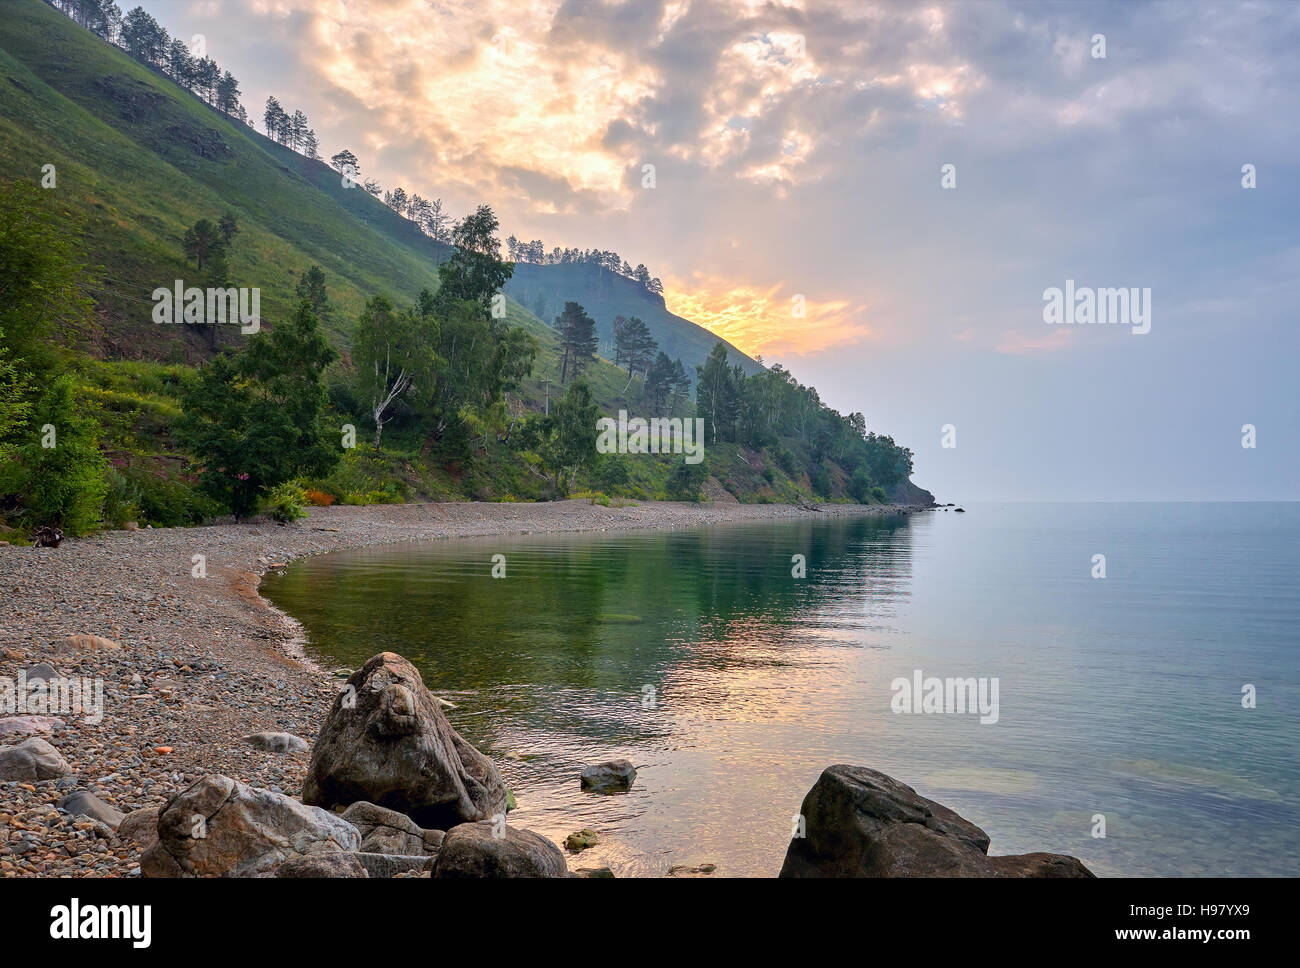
(731, 684)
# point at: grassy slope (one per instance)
(139, 160)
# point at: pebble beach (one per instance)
(192, 659)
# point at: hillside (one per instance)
(543, 289)
(139, 160)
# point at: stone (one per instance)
(581, 840)
(242, 831)
(32, 760)
(387, 741)
(41, 672)
(593, 872)
(335, 864)
(84, 642)
(862, 823)
(84, 804)
(472, 850)
(686, 870)
(611, 777)
(277, 742)
(390, 865)
(385, 831)
(28, 725)
(140, 827)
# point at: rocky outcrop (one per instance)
(474, 850)
(32, 761)
(861, 823)
(385, 831)
(387, 741)
(218, 827)
(614, 776)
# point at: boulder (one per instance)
(385, 831)
(32, 760)
(862, 823)
(83, 804)
(387, 741)
(140, 826)
(27, 725)
(472, 850)
(335, 864)
(613, 776)
(277, 742)
(390, 865)
(218, 827)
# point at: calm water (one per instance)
(1119, 696)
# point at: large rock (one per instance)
(219, 827)
(387, 741)
(333, 864)
(27, 725)
(472, 850)
(385, 831)
(31, 761)
(861, 823)
(614, 776)
(140, 826)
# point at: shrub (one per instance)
(63, 484)
(686, 480)
(285, 502)
(320, 499)
(879, 494)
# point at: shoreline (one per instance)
(204, 662)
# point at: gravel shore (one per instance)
(204, 662)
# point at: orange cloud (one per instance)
(763, 320)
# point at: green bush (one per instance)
(686, 480)
(286, 503)
(59, 473)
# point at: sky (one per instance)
(799, 153)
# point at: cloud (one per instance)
(764, 321)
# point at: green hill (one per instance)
(138, 160)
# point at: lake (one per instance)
(731, 684)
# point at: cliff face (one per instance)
(905, 492)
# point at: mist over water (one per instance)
(1118, 696)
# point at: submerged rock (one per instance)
(387, 741)
(613, 776)
(862, 823)
(473, 850)
(218, 827)
(581, 840)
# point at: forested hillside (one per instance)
(132, 168)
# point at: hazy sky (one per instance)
(798, 150)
